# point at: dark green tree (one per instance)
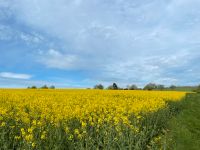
(52, 87)
(160, 87)
(132, 87)
(150, 86)
(44, 87)
(33, 87)
(172, 87)
(99, 86)
(110, 87)
(198, 89)
(115, 87)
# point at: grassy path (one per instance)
(185, 127)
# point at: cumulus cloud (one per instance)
(9, 33)
(115, 40)
(55, 59)
(12, 75)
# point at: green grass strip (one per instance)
(185, 127)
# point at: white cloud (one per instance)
(116, 40)
(8, 33)
(5, 12)
(12, 75)
(31, 38)
(55, 59)
(58, 82)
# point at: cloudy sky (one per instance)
(78, 43)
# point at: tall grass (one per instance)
(184, 129)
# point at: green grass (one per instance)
(182, 88)
(185, 127)
(185, 88)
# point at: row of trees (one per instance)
(114, 86)
(111, 87)
(43, 87)
(150, 86)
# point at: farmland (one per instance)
(85, 119)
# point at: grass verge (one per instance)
(184, 129)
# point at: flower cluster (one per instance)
(31, 113)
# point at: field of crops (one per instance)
(83, 119)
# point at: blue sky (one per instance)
(78, 43)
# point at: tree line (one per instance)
(43, 87)
(149, 87)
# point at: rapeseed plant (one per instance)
(87, 119)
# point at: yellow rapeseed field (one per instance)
(30, 115)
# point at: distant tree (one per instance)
(150, 86)
(99, 86)
(28, 87)
(132, 87)
(115, 87)
(172, 87)
(52, 87)
(160, 87)
(44, 87)
(198, 89)
(33, 87)
(110, 87)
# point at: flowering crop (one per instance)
(53, 119)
